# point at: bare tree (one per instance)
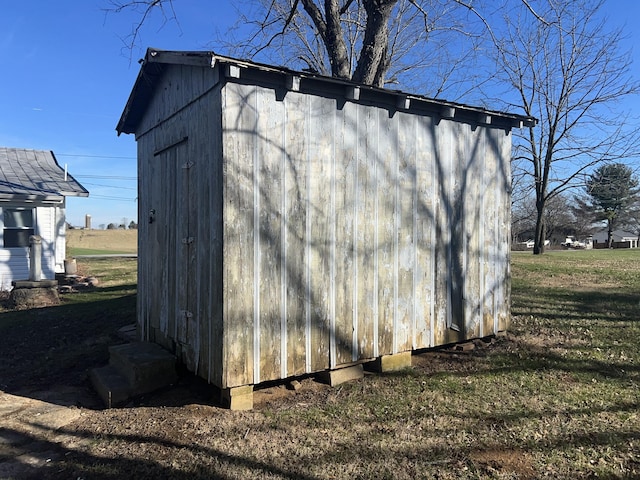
(428, 45)
(372, 41)
(558, 217)
(570, 72)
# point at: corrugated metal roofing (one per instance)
(156, 61)
(35, 175)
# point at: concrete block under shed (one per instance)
(391, 363)
(342, 375)
(237, 398)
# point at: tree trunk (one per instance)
(372, 61)
(538, 241)
(334, 41)
(330, 29)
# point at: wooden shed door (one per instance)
(178, 241)
(186, 228)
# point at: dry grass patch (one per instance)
(83, 242)
(557, 397)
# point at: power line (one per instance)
(108, 186)
(92, 156)
(104, 177)
(107, 197)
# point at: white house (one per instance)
(618, 236)
(33, 188)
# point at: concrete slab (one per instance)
(134, 369)
(129, 333)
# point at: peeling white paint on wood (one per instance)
(324, 231)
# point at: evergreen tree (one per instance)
(612, 189)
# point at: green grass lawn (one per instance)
(557, 397)
(75, 252)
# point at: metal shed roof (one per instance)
(234, 70)
(34, 175)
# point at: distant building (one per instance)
(619, 238)
(33, 188)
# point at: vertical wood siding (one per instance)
(180, 220)
(350, 233)
(282, 236)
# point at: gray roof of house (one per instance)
(35, 175)
(604, 232)
(156, 61)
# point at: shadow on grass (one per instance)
(65, 463)
(54, 347)
(198, 461)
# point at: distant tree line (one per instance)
(609, 198)
(132, 225)
(123, 225)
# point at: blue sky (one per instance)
(66, 76)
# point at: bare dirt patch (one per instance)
(497, 462)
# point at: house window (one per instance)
(18, 227)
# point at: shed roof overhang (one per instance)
(283, 79)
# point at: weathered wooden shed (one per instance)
(33, 191)
(291, 223)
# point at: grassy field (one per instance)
(557, 397)
(92, 242)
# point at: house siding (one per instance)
(14, 262)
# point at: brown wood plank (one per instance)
(239, 127)
(210, 246)
(269, 266)
(296, 220)
(471, 198)
(383, 244)
(405, 241)
(318, 235)
(366, 193)
(490, 205)
(425, 230)
(504, 232)
(443, 159)
(345, 168)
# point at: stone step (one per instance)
(147, 366)
(134, 369)
(112, 387)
